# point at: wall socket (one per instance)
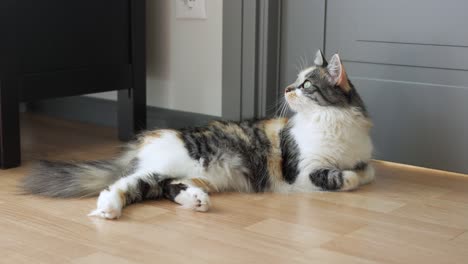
(190, 9)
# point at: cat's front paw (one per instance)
(194, 198)
(350, 181)
(109, 205)
(367, 176)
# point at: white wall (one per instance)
(184, 59)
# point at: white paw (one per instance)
(350, 181)
(368, 175)
(109, 205)
(193, 198)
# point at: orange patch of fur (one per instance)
(122, 196)
(291, 94)
(204, 185)
(272, 129)
(343, 82)
(153, 134)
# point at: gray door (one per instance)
(302, 33)
(408, 59)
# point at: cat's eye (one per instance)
(307, 84)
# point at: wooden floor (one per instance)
(409, 215)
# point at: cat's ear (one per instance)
(320, 59)
(337, 73)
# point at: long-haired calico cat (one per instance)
(324, 146)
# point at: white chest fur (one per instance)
(330, 139)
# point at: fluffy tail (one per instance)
(76, 179)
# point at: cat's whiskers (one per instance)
(275, 106)
(284, 108)
(280, 109)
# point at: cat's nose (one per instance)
(290, 88)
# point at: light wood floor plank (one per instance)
(442, 212)
(390, 252)
(293, 233)
(358, 200)
(320, 255)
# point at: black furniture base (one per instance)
(9, 125)
(131, 120)
(59, 48)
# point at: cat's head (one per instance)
(323, 86)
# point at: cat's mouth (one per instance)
(291, 96)
(298, 100)
(294, 93)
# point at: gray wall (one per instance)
(409, 61)
(184, 59)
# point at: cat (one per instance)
(324, 146)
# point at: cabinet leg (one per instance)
(10, 148)
(132, 103)
(131, 113)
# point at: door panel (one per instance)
(409, 61)
(425, 33)
(302, 33)
(418, 123)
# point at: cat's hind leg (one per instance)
(190, 193)
(130, 189)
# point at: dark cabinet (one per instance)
(58, 48)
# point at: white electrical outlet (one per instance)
(190, 9)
